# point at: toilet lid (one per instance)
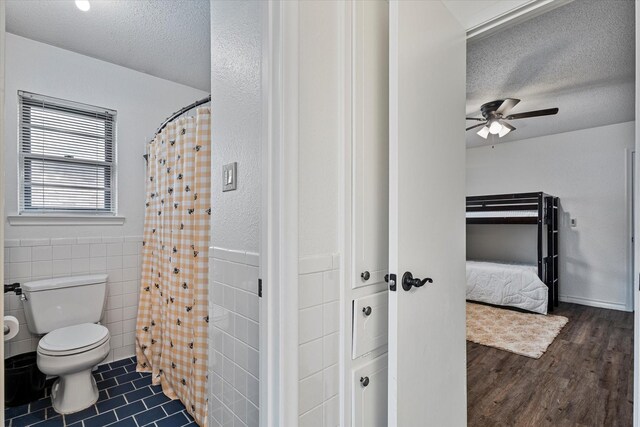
(74, 339)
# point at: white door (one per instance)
(427, 372)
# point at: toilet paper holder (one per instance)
(13, 287)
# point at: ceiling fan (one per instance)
(494, 117)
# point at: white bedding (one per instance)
(503, 214)
(513, 285)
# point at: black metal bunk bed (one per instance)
(538, 209)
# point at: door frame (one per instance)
(345, 218)
(636, 222)
(279, 216)
(2, 216)
(279, 231)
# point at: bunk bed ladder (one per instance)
(551, 260)
(555, 254)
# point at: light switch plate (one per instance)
(230, 176)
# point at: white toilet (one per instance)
(67, 310)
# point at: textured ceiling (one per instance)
(169, 39)
(579, 58)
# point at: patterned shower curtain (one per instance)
(171, 332)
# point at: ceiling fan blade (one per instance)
(507, 105)
(507, 125)
(476, 126)
(537, 113)
(480, 119)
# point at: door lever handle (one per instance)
(408, 281)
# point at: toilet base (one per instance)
(74, 392)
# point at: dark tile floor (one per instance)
(127, 399)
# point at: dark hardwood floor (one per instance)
(584, 379)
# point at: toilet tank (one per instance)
(63, 301)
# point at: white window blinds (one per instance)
(67, 156)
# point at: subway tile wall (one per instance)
(119, 257)
(233, 338)
(318, 330)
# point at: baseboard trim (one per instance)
(594, 303)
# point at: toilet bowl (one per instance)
(70, 353)
(65, 311)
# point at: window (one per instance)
(67, 156)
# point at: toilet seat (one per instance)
(72, 340)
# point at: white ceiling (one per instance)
(169, 39)
(579, 57)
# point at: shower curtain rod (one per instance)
(178, 114)
(182, 111)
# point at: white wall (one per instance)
(588, 171)
(319, 127)
(236, 61)
(234, 338)
(236, 87)
(319, 340)
(321, 104)
(142, 102)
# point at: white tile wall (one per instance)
(233, 338)
(119, 257)
(318, 330)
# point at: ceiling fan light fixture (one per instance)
(505, 130)
(484, 132)
(495, 127)
(83, 5)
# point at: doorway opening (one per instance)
(577, 365)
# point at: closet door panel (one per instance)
(371, 137)
(370, 323)
(370, 400)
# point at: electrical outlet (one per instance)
(573, 222)
(230, 176)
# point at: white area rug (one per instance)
(526, 334)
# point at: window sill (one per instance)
(65, 220)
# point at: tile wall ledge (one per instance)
(60, 241)
(317, 263)
(233, 255)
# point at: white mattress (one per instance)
(513, 285)
(502, 214)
